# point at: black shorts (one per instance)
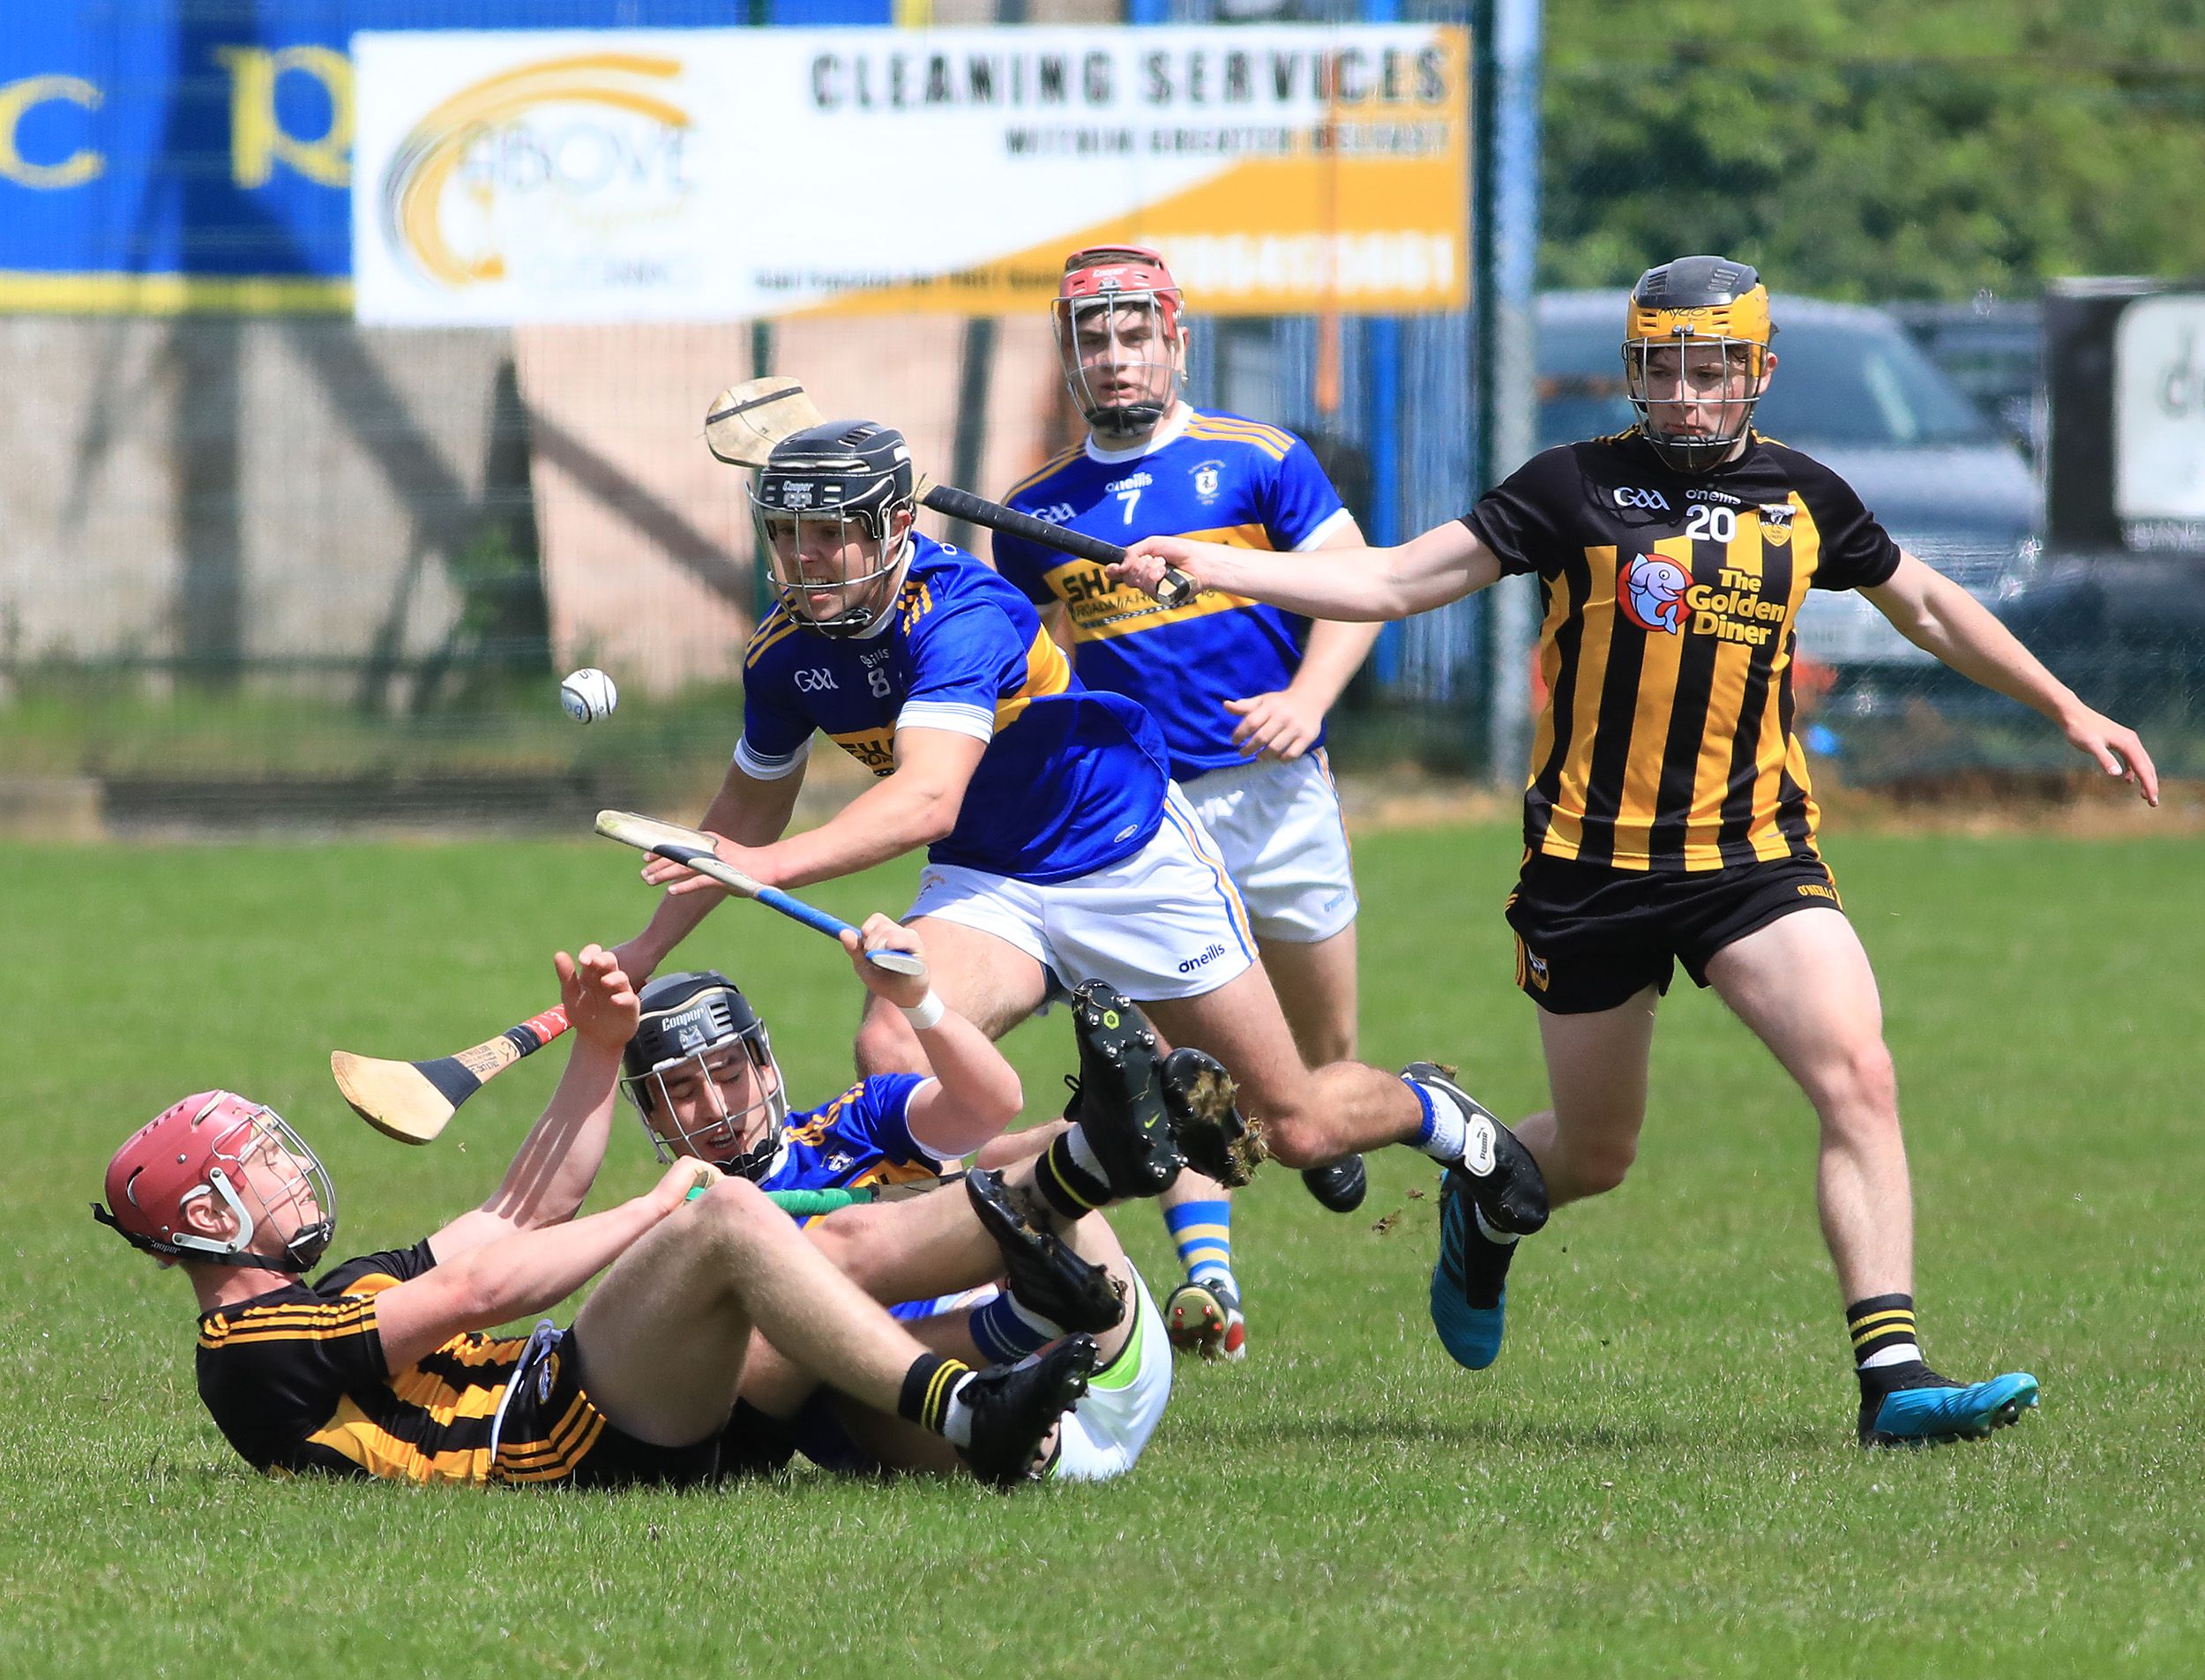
(614, 1458)
(1589, 937)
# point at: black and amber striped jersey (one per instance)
(296, 1380)
(1666, 739)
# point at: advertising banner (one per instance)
(719, 175)
(2159, 422)
(158, 156)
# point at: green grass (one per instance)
(1657, 1479)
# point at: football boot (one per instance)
(1046, 1275)
(1014, 1407)
(1340, 1187)
(1203, 1316)
(1117, 1099)
(1212, 1136)
(1928, 1410)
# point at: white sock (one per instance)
(1083, 1154)
(1899, 1353)
(1445, 1133)
(957, 1416)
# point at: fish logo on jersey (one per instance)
(1651, 592)
(1206, 477)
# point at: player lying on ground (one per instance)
(1668, 815)
(701, 1072)
(383, 1367)
(1058, 846)
(1239, 688)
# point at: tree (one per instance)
(1877, 149)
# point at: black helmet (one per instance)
(849, 472)
(686, 1017)
(1698, 300)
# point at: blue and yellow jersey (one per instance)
(862, 1136)
(1072, 782)
(1214, 477)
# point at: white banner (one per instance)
(2159, 421)
(723, 174)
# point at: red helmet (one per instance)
(1121, 281)
(200, 1148)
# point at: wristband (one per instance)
(928, 1011)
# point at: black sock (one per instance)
(927, 1389)
(1485, 1267)
(1070, 1188)
(1884, 1323)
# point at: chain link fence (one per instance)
(261, 563)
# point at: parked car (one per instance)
(1854, 390)
(1994, 350)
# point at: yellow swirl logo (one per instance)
(538, 173)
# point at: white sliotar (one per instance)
(589, 694)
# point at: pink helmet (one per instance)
(1118, 281)
(198, 1148)
(1123, 270)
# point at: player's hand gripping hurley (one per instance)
(693, 848)
(746, 420)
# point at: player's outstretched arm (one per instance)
(749, 812)
(559, 1159)
(1358, 585)
(524, 1273)
(913, 805)
(975, 1093)
(1938, 616)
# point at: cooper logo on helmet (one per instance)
(834, 506)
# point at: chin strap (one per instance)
(1133, 417)
(289, 1263)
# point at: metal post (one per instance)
(1505, 236)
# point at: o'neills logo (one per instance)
(537, 173)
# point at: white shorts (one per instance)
(1104, 1433)
(1279, 829)
(1165, 923)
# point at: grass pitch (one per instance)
(1658, 1478)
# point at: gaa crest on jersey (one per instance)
(1775, 523)
(1208, 475)
(1651, 592)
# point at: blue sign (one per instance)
(164, 155)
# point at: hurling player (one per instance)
(1239, 689)
(702, 1074)
(1058, 849)
(1668, 815)
(383, 1366)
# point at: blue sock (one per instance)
(1005, 1332)
(1203, 1234)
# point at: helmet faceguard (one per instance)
(686, 1019)
(826, 495)
(217, 1148)
(1712, 314)
(1121, 337)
